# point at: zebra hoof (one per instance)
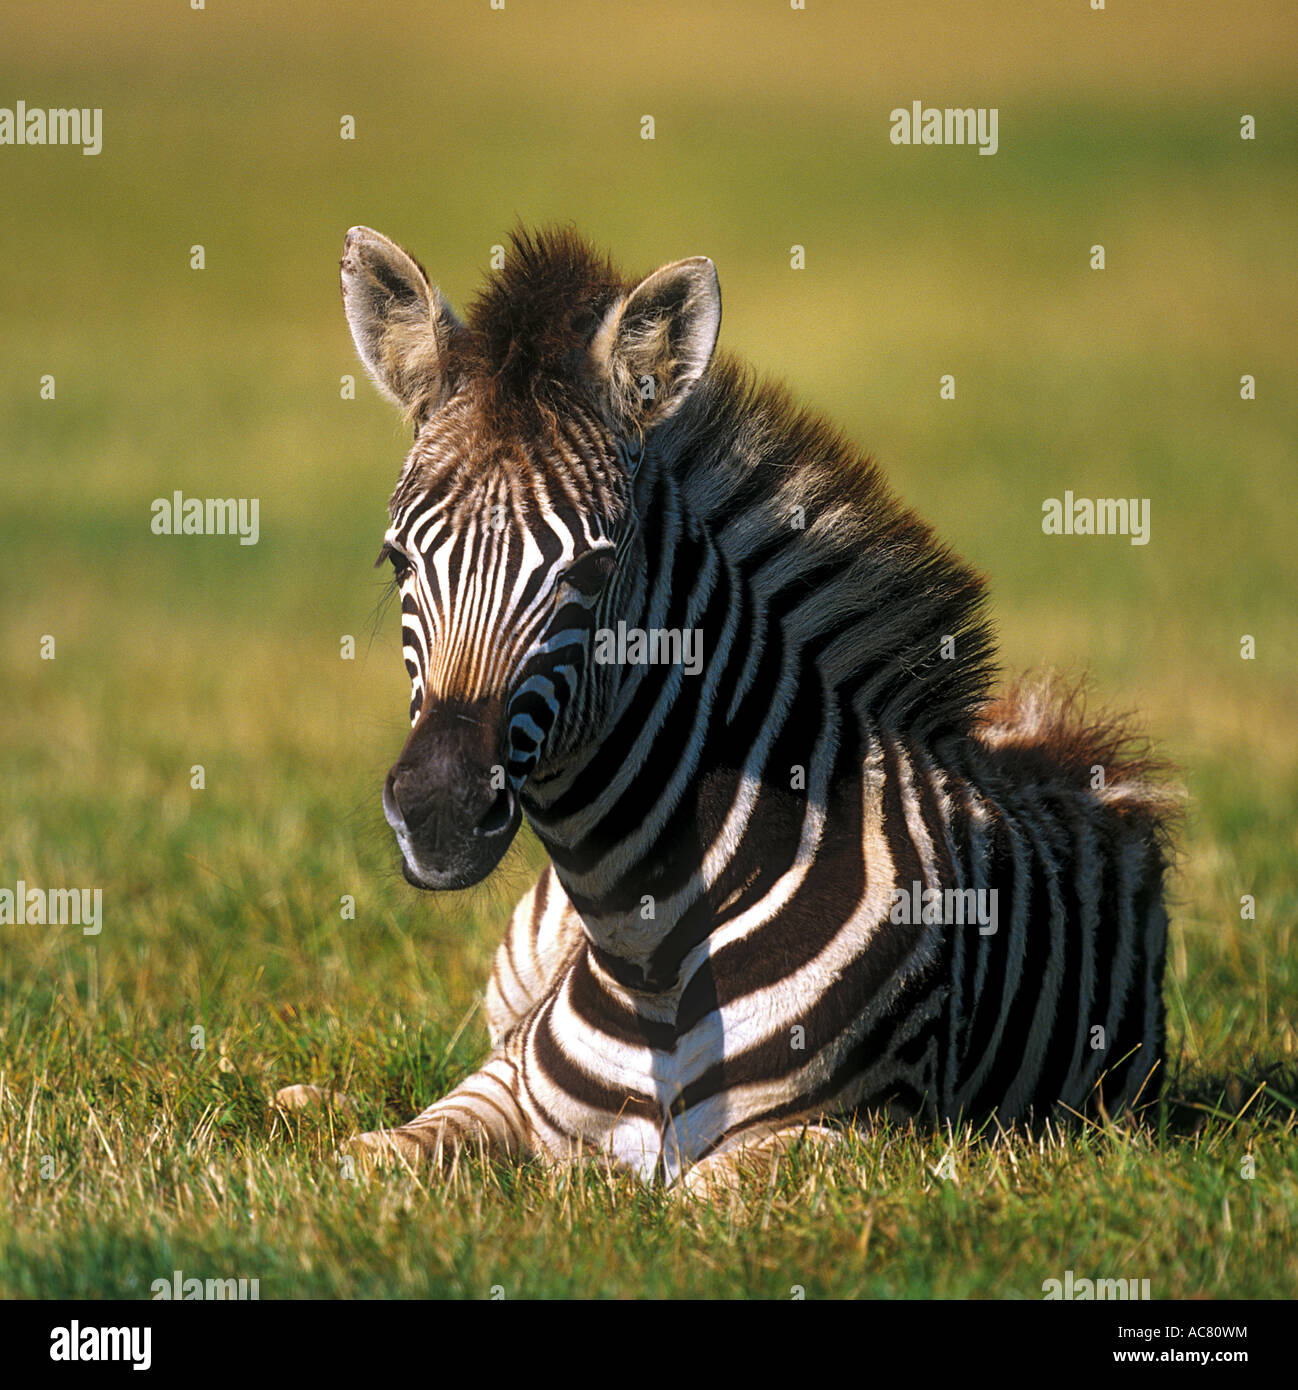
(302, 1097)
(385, 1148)
(754, 1159)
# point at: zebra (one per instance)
(720, 957)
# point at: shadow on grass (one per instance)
(1260, 1092)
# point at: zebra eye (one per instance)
(400, 562)
(591, 572)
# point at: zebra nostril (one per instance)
(499, 814)
(391, 806)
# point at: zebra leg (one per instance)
(543, 933)
(481, 1115)
(753, 1155)
(302, 1097)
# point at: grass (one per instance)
(167, 1159)
(132, 1144)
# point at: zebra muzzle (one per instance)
(444, 800)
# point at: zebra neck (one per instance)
(815, 640)
(702, 782)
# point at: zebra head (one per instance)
(514, 529)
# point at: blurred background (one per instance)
(221, 129)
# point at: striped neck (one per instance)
(818, 615)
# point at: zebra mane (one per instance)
(794, 499)
(531, 325)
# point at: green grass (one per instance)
(127, 1151)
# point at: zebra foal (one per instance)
(815, 871)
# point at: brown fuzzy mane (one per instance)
(531, 325)
(1042, 733)
(747, 453)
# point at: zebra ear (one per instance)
(401, 325)
(655, 343)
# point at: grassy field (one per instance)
(132, 1145)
